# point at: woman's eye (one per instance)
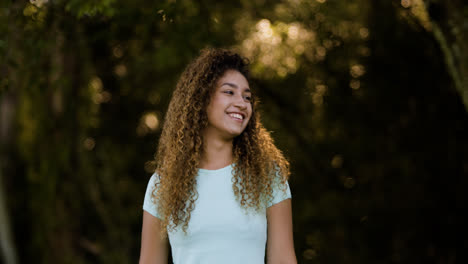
(248, 98)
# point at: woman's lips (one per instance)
(236, 119)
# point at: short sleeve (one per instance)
(149, 204)
(278, 193)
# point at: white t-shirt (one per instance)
(219, 230)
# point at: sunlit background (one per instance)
(367, 99)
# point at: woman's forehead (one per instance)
(234, 79)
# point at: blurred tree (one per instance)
(449, 21)
(446, 21)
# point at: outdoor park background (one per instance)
(368, 99)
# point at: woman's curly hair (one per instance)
(257, 164)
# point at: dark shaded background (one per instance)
(368, 100)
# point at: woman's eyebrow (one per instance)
(234, 86)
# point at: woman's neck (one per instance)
(217, 154)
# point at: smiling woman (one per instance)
(230, 109)
(220, 190)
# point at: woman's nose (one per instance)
(240, 102)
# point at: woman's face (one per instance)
(230, 108)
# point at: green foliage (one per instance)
(364, 107)
(91, 8)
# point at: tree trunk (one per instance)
(8, 250)
(449, 27)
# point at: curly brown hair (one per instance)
(257, 162)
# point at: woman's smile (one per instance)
(237, 117)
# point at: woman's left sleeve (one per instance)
(278, 193)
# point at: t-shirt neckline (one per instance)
(206, 171)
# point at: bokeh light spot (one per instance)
(89, 143)
(337, 161)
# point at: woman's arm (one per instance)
(153, 249)
(280, 244)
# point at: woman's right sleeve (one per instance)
(149, 204)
